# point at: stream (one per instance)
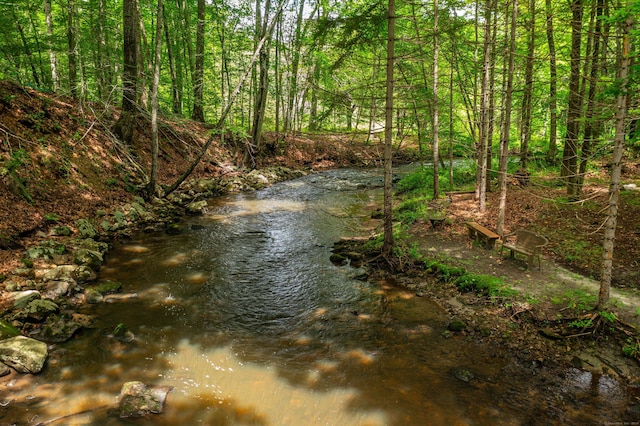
(245, 317)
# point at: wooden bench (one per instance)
(486, 237)
(526, 242)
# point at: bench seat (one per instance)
(486, 237)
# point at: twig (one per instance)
(54, 420)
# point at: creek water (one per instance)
(245, 317)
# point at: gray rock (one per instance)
(23, 354)
(139, 400)
(54, 289)
(77, 273)
(20, 299)
(58, 330)
(93, 296)
(36, 311)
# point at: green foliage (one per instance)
(631, 349)
(608, 316)
(581, 323)
(580, 300)
(486, 284)
(51, 217)
(443, 271)
(16, 160)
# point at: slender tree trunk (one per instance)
(387, 247)
(574, 113)
(27, 50)
(553, 92)
(175, 93)
(52, 53)
(616, 169)
(436, 134)
(525, 136)
(72, 48)
(151, 188)
(263, 81)
(483, 143)
(504, 139)
(295, 64)
(198, 81)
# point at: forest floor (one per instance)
(59, 162)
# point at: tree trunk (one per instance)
(387, 247)
(483, 143)
(262, 91)
(504, 139)
(27, 50)
(151, 187)
(616, 169)
(525, 136)
(553, 92)
(436, 135)
(175, 93)
(590, 125)
(52, 53)
(198, 81)
(125, 124)
(295, 64)
(72, 48)
(574, 112)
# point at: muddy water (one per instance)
(246, 318)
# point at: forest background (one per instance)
(542, 92)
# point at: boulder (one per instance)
(20, 299)
(58, 329)
(54, 289)
(139, 400)
(36, 311)
(23, 354)
(78, 273)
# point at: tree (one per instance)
(387, 247)
(124, 126)
(616, 167)
(574, 111)
(527, 98)
(151, 187)
(504, 138)
(436, 153)
(483, 144)
(198, 111)
(553, 81)
(52, 54)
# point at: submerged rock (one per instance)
(23, 354)
(139, 400)
(58, 329)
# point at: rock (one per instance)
(20, 299)
(93, 296)
(86, 229)
(23, 354)
(54, 289)
(457, 325)
(90, 258)
(139, 400)
(338, 259)
(174, 229)
(58, 329)
(4, 370)
(36, 311)
(463, 375)
(78, 273)
(107, 287)
(197, 208)
(61, 231)
(93, 245)
(7, 330)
